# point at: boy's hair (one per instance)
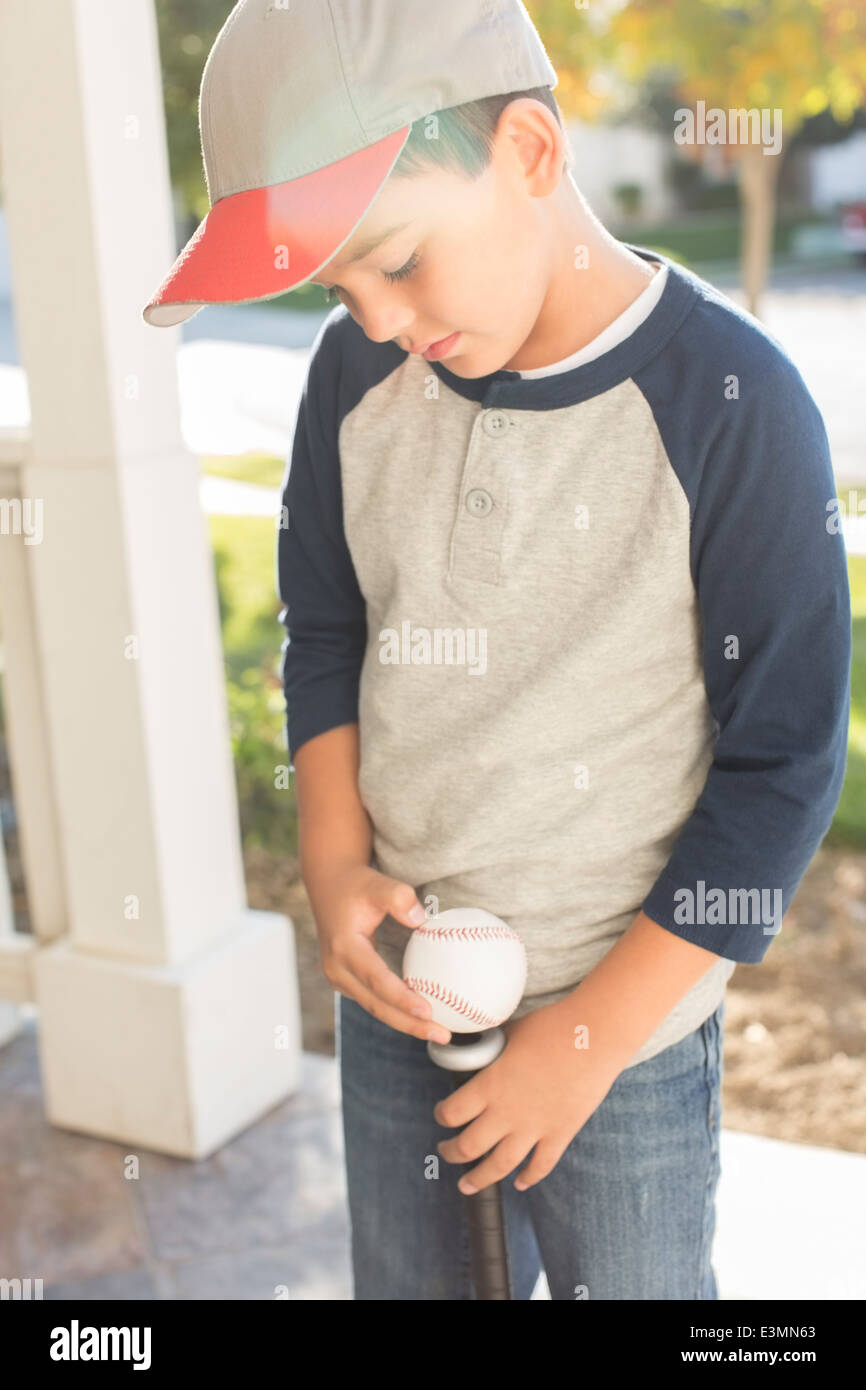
(464, 141)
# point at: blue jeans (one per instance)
(628, 1212)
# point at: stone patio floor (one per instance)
(269, 1208)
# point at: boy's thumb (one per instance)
(402, 903)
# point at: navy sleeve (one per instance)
(771, 580)
(324, 614)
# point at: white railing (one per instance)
(27, 744)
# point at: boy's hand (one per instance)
(537, 1094)
(357, 899)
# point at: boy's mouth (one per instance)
(440, 348)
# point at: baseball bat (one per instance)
(462, 1057)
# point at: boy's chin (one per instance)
(471, 365)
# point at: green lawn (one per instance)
(249, 605)
(264, 469)
(711, 236)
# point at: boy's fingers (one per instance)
(368, 967)
(366, 977)
(398, 1018)
(509, 1152)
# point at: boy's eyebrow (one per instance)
(370, 243)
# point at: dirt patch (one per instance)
(795, 1044)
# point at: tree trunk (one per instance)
(759, 174)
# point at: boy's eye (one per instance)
(392, 275)
(405, 270)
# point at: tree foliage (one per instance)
(798, 56)
(187, 29)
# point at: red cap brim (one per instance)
(262, 243)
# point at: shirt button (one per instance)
(479, 502)
(495, 423)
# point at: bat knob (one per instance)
(468, 1051)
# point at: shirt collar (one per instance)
(509, 390)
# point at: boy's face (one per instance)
(474, 260)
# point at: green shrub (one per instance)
(249, 606)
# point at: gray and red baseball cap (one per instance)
(304, 109)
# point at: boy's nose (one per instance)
(385, 325)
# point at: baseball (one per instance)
(470, 965)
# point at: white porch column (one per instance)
(168, 1013)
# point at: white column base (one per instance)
(11, 1022)
(177, 1059)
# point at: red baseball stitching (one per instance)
(467, 933)
(454, 1001)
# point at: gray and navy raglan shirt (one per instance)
(594, 625)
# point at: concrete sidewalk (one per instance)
(791, 1220)
(269, 1208)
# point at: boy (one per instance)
(601, 490)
